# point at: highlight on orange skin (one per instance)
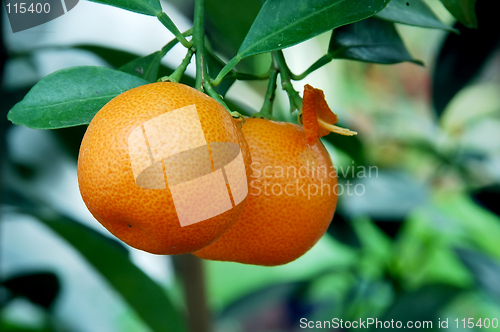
(317, 117)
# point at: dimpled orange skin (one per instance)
(277, 229)
(146, 219)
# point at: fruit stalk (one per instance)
(190, 270)
(266, 112)
(199, 42)
(179, 71)
(286, 81)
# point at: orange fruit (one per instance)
(164, 168)
(291, 201)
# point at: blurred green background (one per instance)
(422, 243)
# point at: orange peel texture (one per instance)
(317, 117)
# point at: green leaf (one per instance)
(370, 40)
(422, 305)
(147, 7)
(462, 57)
(281, 24)
(228, 22)
(463, 10)
(412, 12)
(341, 229)
(70, 97)
(70, 139)
(145, 67)
(116, 58)
(119, 58)
(145, 296)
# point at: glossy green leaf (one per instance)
(228, 22)
(147, 7)
(71, 97)
(351, 145)
(421, 305)
(145, 67)
(412, 12)
(462, 57)
(463, 10)
(281, 24)
(116, 58)
(370, 40)
(341, 229)
(145, 296)
(70, 139)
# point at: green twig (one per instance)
(251, 77)
(179, 71)
(266, 112)
(286, 84)
(169, 24)
(202, 79)
(199, 40)
(318, 64)
(212, 93)
(224, 71)
(165, 49)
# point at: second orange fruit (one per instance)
(291, 201)
(138, 207)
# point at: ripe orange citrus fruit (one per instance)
(291, 201)
(152, 163)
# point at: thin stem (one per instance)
(169, 24)
(212, 93)
(190, 269)
(318, 64)
(179, 71)
(165, 49)
(224, 71)
(286, 84)
(251, 77)
(199, 40)
(266, 111)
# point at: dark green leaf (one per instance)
(119, 58)
(145, 67)
(261, 299)
(370, 40)
(281, 24)
(420, 305)
(147, 7)
(116, 58)
(229, 22)
(40, 288)
(70, 97)
(462, 56)
(485, 270)
(351, 145)
(412, 12)
(390, 226)
(342, 230)
(70, 139)
(488, 197)
(145, 296)
(463, 10)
